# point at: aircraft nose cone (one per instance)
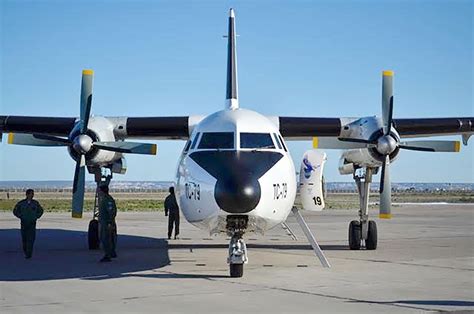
(237, 195)
(237, 189)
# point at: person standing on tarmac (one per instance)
(107, 213)
(171, 207)
(28, 211)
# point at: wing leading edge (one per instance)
(124, 127)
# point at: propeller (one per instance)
(387, 143)
(81, 143)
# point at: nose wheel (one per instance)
(236, 226)
(237, 256)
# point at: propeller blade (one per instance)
(387, 101)
(127, 147)
(78, 188)
(356, 140)
(335, 143)
(390, 117)
(432, 146)
(385, 191)
(36, 140)
(86, 99)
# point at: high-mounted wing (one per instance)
(373, 142)
(59, 126)
(305, 128)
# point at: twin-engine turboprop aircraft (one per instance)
(235, 174)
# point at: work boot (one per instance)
(176, 237)
(105, 259)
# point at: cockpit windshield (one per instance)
(217, 140)
(256, 140)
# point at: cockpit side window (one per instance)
(275, 137)
(256, 140)
(282, 143)
(195, 140)
(217, 140)
(186, 147)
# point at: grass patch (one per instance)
(64, 205)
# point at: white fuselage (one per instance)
(210, 179)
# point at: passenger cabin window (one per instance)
(217, 140)
(256, 140)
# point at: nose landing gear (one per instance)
(236, 225)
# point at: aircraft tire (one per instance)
(355, 235)
(236, 270)
(93, 235)
(371, 242)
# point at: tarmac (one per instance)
(424, 263)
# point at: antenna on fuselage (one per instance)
(232, 100)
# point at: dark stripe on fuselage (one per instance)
(308, 127)
(237, 188)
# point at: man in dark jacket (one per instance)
(172, 208)
(107, 213)
(28, 211)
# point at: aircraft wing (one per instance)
(305, 128)
(59, 126)
(124, 127)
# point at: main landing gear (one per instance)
(363, 229)
(236, 225)
(102, 177)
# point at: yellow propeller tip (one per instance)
(315, 142)
(87, 72)
(387, 73)
(385, 216)
(11, 136)
(457, 146)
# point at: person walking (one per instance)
(172, 210)
(28, 211)
(108, 227)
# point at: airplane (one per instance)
(235, 175)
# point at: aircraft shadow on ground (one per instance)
(63, 254)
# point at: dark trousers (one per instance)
(173, 219)
(108, 238)
(28, 236)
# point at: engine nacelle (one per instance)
(119, 166)
(345, 167)
(100, 129)
(311, 180)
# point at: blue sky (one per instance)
(295, 58)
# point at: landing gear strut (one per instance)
(364, 229)
(102, 176)
(236, 226)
